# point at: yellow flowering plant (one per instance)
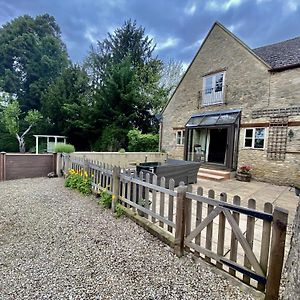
(79, 180)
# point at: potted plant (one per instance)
(244, 173)
(297, 189)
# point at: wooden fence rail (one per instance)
(243, 241)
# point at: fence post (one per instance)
(2, 166)
(85, 165)
(55, 163)
(280, 218)
(180, 221)
(116, 186)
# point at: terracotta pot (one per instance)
(243, 177)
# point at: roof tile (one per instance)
(282, 54)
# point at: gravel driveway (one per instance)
(57, 244)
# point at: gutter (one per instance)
(283, 68)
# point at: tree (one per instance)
(11, 120)
(128, 40)
(67, 106)
(125, 78)
(32, 55)
(171, 74)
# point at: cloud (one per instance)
(179, 26)
(234, 27)
(90, 34)
(190, 9)
(170, 42)
(185, 65)
(193, 46)
(292, 5)
(222, 5)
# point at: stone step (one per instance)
(209, 176)
(225, 174)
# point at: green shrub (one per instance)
(122, 150)
(119, 211)
(79, 180)
(139, 142)
(111, 139)
(105, 199)
(64, 148)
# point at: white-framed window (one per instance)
(255, 138)
(180, 137)
(213, 89)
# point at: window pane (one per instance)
(178, 137)
(210, 120)
(249, 133)
(219, 82)
(194, 121)
(227, 119)
(182, 140)
(208, 85)
(258, 143)
(259, 133)
(248, 142)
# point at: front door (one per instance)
(217, 145)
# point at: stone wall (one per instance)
(292, 266)
(279, 172)
(249, 86)
(246, 80)
(122, 159)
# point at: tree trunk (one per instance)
(21, 143)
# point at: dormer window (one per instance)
(213, 89)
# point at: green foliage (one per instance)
(122, 150)
(127, 92)
(33, 116)
(42, 148)
(80, 181)
(67, 106)
(10, 117)
(119, 210)
(139, 142)
(8, 143)
(111, 139)
(128, 40)
(64, 148)
(118, 89)
(105, 199)
(32, 54)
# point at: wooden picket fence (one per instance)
(243, 241)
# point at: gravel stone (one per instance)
(57, 244)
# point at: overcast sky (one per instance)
(177, 26)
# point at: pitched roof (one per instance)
(281, 55)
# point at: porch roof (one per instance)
(213, 118)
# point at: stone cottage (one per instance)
(236, 105)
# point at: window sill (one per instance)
(213, 104)
(258, 149)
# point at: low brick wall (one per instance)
(17, 166)
(122, 159)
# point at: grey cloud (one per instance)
(257, 22)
